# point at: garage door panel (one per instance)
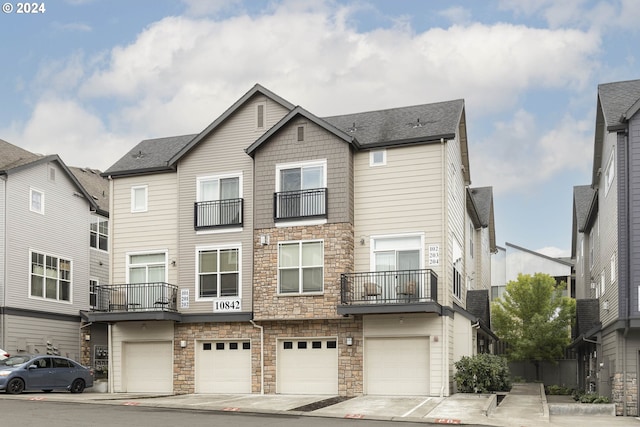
(223, 367)
(148, 367)
(397, 366)
(307, 366)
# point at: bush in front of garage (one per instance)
(482, 373)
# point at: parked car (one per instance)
(43, 372)
(3, 354)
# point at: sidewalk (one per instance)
(525, 406)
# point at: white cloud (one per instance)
(180, 73)
(553, 252)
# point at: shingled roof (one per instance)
(12, 156)
(617, 100)
(96, 186)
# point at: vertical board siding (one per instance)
(153, 230)
(62, 231)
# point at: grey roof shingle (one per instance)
(12, 156)
(401, 125)
(478, 305)
(582, 201)
(150, 155)
(95, 184)
(617, 99)
(587, 315)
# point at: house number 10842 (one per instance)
(227, 305)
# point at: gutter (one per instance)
(261, 354)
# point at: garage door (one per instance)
(307, 366)
(223, 367)
(148, 367)
(397, 366)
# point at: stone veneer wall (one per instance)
(338, 258)
(617, 392)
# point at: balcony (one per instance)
(300, 204)
(400, 291)
(218, 214)
(134, 301)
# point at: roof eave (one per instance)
(137, 172)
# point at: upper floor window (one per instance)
(99, 233)
(609, 173)
(147, 267)
(457, 269)
(218, 272)
(377, 157)
(50, 277)
(300, 267)
(36, 201)
(301, 189)
(219, 201)
(471, 235)
(139, 198)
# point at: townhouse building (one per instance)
(281, 252)
(605, 245)
(47, 216)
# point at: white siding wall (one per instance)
(3, 193)
(222, 153)
(62, 231)
(153, 230)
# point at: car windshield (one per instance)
(15, 360)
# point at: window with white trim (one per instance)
(219, 200)
(36, 201)
(99, 233)
(301, 189)
(602, 283)
(218, 272)
(377, 157)
(457, 269)
(301, 267)
(147, 267)
(139, 198)
(50, 277)
(609, 174)
(614, 268)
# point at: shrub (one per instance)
(482, 373)
(590, 398)
(558, 390)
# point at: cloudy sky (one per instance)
(88, 79)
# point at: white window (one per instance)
(219, 200)
(99, 233)
(139, 198)
(301, 189)
(592, 244)
(471, 233)
(218, 272)
(602, 283)
(300, 267)
(147, 267)
(609, 173)
(614, 268)
(457, 269)
(50, 277)
(377, 157)
(36, 201)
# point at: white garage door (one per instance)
(397, 366)
(223, 367)
(148, 367)
(307, 366)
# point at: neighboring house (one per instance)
(508, 262)
(605, 244)
(45, 261)
(281, 252)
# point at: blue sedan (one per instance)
(43, 372)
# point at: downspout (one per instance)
(110, 361)
(627, 322)
(444, 300)
(261, 355)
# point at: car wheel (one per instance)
(77, 386)
(47, 390)
(15, 386)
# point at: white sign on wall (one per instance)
(434, 254)
(184, 298)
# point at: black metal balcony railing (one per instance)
(389, 287)
(218, 213)
(158, 296)
(300, 204)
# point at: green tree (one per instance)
(534, 319)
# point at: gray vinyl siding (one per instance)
(633, 231)
(99, 266)
(63, 231)
(222, 152)
(153, 230)
(3, 228)
(318, 144)
(31, 334)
